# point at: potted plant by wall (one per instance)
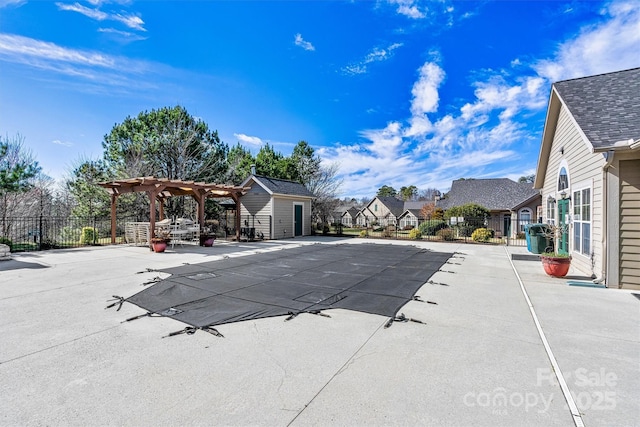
(556, 264)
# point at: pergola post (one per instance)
(236, 198)
(113, 217)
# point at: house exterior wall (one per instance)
(623, 227)
(257, 201)
(570, 149)
(381, 213)
(283, 216)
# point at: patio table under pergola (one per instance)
(159, 189)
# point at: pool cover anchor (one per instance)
(418, 299)
(402, 318)
(190, 330)
(118, 301)
(292, 315)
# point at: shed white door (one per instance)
(630, 224)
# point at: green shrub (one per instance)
(415, 234)
(431, 227)
(364, 233)
(70, 234)
(6, 241)
(89, 236)
(446, 234)
(481, 235)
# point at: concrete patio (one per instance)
(479, 359)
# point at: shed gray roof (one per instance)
(494, 194)
(606, 106)
(282, 186)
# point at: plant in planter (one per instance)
(160, 241)
(207, 234)
(556, 264)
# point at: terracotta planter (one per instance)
(556, 267)
(207, 241)
(159, 246)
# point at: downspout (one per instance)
(608, 156)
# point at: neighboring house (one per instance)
(349, 216)
(339, 212)
(276, 208)
(383, 211)
(410, 218)
(511, 205)
(589, 173)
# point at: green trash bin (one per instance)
(540, 238)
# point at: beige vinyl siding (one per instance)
(255, 208)
(630, 224)
(257, 201)
(585, 171)
(283, 217)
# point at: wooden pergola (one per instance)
(159, 189)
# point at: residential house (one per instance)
(512, 205)
(382, 211)
(348, 218)
(589, 174)
(276, 208)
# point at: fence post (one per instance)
(95, 231)
(40, 233)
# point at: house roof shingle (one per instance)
(494, 194)
(606, 106)
(282, 186)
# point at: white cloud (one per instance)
(299, 41)
(19, 49)
(16, 3)
(408, 8)
(91, 71)
(129, 36)
(605, 47)
(378, 54)
(63, 143)
(252, 140)
(131, 21)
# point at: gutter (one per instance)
(605, 220)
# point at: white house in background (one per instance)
(589, 174)
(282, 208)
(348, 218)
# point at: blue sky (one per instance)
(397, 92)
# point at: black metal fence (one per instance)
(496, 229)
(50, 232)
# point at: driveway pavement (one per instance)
(479, 360)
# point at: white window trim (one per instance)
(585, 185)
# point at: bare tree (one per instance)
(325, 186)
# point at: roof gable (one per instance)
(605, 108)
